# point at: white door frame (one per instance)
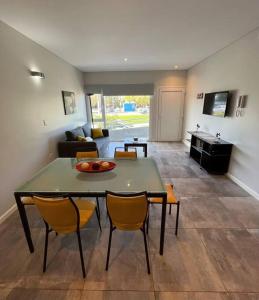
(170, 89)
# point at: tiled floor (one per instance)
(214, 257)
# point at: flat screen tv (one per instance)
(215, 104)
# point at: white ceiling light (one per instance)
(125, 59)
(176, 67)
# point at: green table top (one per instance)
(61, 176)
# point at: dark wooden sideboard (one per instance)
(213, 154)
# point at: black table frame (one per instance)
(136, 144)
(26, 227)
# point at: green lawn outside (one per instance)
(127, 118)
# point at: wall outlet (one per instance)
(200, 96)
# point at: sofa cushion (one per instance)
(72, 134)
(97, 133)
(102, 145)
(87, 129)
(69, 149)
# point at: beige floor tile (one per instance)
(4, 293)
(127, 268)
(236, 257)
(191, 296)
(243, 209)
(37, 294)
(117, 295)
(22, 269)
(155, 217)
(207, 212)
(244, 296)
(186, 265)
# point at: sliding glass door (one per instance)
(126, 117)
(98, 110)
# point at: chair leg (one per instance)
(146, 249)
(147, 222)
(81, 253)
(177, 217)
(46, 247)
(109, 248)
(98, 218)
(98, 206)
(170, 209)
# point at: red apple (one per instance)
(95, 166)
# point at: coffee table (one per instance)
(140, 143)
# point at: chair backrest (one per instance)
(121, 153)
(61, 214)
(87, 154)
(127, 212)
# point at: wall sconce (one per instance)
(37, 74)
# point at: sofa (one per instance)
(71, 146)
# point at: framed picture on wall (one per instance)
(69, 102)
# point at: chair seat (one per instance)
(171, 199)
(128, 227)
(86, 209)
(28, 200)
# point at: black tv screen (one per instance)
(215, 104)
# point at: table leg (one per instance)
(25, 223)
(145, 151)
(162, 230)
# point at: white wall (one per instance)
(27, 145)
(158, 78)
(233, 68)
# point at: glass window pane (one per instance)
(127, 116)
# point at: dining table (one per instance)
(61, 177)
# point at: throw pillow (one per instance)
(72, 134)
(97, 132)
(87, 129)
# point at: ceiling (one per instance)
(96, 35)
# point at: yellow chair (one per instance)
(27, 201)
(171, 200)
(90, 154)
(63, 215)
(87, 154)
(121, 153)
(127, 212)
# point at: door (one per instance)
(170, 114)
(97, 110)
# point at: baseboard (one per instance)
(8, 213)
(244, 186)
(186, 143)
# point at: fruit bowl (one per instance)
(95, 166)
